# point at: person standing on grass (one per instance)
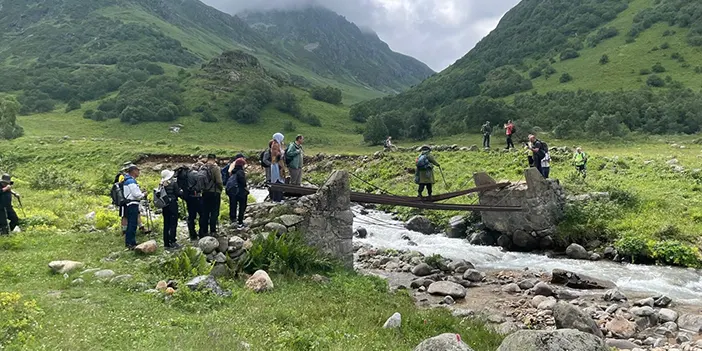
(237, 192)
(509, 131)
(295, 156)
(119, 178)
(580, 162)
(133, 195)
(211, 196)
(7, 212)
(170, 212)
(424, 175)
(486, 130)
(539, 151)
(277, 165)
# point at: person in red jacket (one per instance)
(509, 130)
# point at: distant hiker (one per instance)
(388, 144)
(277, 165)
(509, 131)
(294, 156)
(424, 176)
(172, 191)
(133, 195)
(237, 192)
(486, 130)
(7, 212)
(211, 196)
(580, 162)
(539, 151)
(119, 179)
(266, 162)
(192, 183)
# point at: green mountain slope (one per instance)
(560, 64)
(330, 45)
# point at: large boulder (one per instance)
(556, 340)
(443, 342)
(474, 275)
(421, 224)
(457, 227)
(274, 227)
(579, 281)
(568, 316)
(259, 282)
(482, 238)
(65, 266)
(525, 241)
(667, 315)
(577, 252)
(208, 244)
(422, 270)
(147, 247)
(445, 288)
(691, 322)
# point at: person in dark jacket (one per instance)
(211, 197)
(170, 212)
(238, 193)
(486, 130)
(424, 176)
(539, 152)
(192, 194)
(7, 212)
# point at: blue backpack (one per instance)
(423, 162)
(225, 173)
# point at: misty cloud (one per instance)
(437, 32)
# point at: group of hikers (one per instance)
(201, 186)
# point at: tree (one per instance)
(9, 107)
(566, 77)
(72, 105)
(88, 114)
(658, 68)
(655, 81)
(329, 94)
(418, 124)
(286, 102)
(604, 59)
(376, 131)
(569, 54)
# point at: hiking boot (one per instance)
(131, 247)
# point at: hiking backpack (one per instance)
(225, 173)
(265, 158)
(117, 194)
(423, 162)
(232, 186)
(205, 176)
(196, 184)
(161, 199)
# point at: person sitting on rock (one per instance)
(7, 212)
(388, 144)
(424, 175)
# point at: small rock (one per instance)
(527, 284)
(474, 276)
(614, 295)
(207, 282)
(644, 311)
(511, 288)
(595, 257)
(568, 316)
(208, 244)
(507, 328)
(645, 302)
(220, 258)
(448, 300)
(422, 270)
(537, 300)
(77, 281)
(360, 233)
(395, 321)
(170, 291)
(147, 247)
(445, 288)
(621, 344)
(683, 338)
(223, 244)
(621, 328)
(543, 289)
(662, 301)
(417, 283)
(555, 340)
(90, 216)
(161, 285)
(496, 318)
(460, 266)
(667, 315)
(62, 267)
(290, 220)
(236, 242)
(443, 342)
(577, 252)
(121, 278)
(259, 282)
(104, 274)
(612, 309)
(462, 313)
(547, 305)
(276, 228)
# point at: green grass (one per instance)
(627, 59)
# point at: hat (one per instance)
(238, 156)
(239, 162)
(166, 174)
(211, 156)
(6, 179)
(425, 148)
(132, 167)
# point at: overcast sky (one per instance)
(437, 32)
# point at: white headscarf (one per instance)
(279, 138)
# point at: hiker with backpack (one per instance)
(277, 165)
(424, 175)
(211, 196)
(265, 158)
(166, 198)
(117, 186)
(237, 192)
(132, 197)
(294, 157)
(191, 182)
(227, 170)
(580, 162)
(539, 151)
(7, 212)
(486, 130)
(510, 130)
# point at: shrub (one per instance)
(655, 81)
(189, 263)
(88, 114)
(289, 127)
(535, 73)
(208, 117)
(604, 59)
(18, 321)
(665, 46)
(72, 105)
(285, 254)
(376, 131)
(286, 102)
(329, 95)
(645, 71)
(311, 119)
(51, 178)
(634, 246)
(658, 68)
(565, 78)
(676, 253)
(569, 54)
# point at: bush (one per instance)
(658, 68)
(88, 114)
(72, 105)
(9, 129)
(18, 321)
(565, 78)
(289, 127)
(634, 246)
(645, 71)
(655, 81)
(208, 117)
(376, 131)
(286, 102)
(535, 73)
(189, 263)
(569, 54)
(665, 46)
(604, 59)
(311, 119)
(675, 253)
(284, 255)
(329, 95)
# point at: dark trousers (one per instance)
(235, 202)
(545, 171)
(486, 141)
(510, 144)
(582, 170)
(537, 164)
(8, 214)
(210, 213)
(276, 196)
(170, 224)
(421, 189)
(132, 222)
(194, 205)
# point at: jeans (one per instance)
(510, 144)
(295, 176)
(421, 189)
(194, 205)
(486, 141)
(132, 221)
(234, 202)
(545, 171)
(210, 213)
(8, 213)
(170, 224)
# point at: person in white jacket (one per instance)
(133, 195)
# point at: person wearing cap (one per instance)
(170, 212)
(211, 197)
(238, 193)
(119, 178)
(133, 195)
(424, 176)
(7, 212)
(295, 153)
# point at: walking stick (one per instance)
(444, 178)
(148, 215)
(20, 205)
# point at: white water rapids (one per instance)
(683, 285)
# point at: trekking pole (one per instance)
(24, 214)
(148, 215)
(444, 178)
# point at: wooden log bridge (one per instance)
(407, 201)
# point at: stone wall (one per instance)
(543, 201)
(328, 219)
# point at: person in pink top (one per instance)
(509, 130)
